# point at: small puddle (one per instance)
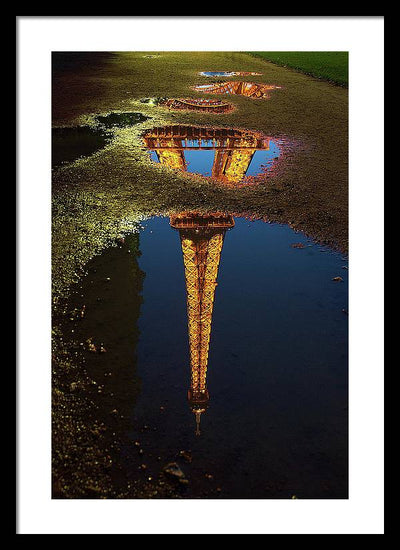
(202, 105)
(228, 73)
(248, 89)
(121, 120)
(226, 345)
(232, 157)
(69, 144)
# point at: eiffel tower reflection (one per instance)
(202, 238)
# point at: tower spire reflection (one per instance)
(202, 237)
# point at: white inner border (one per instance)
(362, 513)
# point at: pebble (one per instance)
(173, 470)
(186, 455)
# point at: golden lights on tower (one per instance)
(234, 149)
(202, 237)
(247, 89)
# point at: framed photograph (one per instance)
(186, 274)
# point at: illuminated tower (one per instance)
(248, 89)
(232, 162)
(202, 238)
(234, 149)
(170, 152)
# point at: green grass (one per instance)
(331, 66)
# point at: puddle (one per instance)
(69, 144)
(232, 157)
(248, 89)
(121, 120)
(151, 56)
(227, 347)
(190, 104)
(201, 105)
(228, 73)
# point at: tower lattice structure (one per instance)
(234, 149)
(202, 238)
(248, 89)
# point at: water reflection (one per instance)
(194, 104)
(202, 238)
(229, 73)
(230, 156)
(260, 361)
(248, 89)
(268, 381)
